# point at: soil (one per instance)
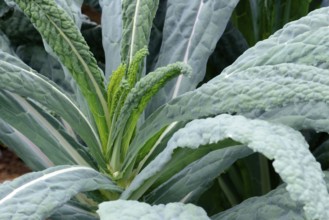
(10, 165)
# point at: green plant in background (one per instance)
(99, 139)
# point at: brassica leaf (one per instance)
(287, 147)
(199, 20)
(37, 195)
(277, 74)
(133, 210)
(61, 34)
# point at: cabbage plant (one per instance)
(133, 137)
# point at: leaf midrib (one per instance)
(42, 178)
(90, 75)
(134, 31)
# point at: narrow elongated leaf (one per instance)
(133, 210)
(25, 118)
(193, 180)
(191, 31)
(292, 159)
(140, 95)
(277, 204)
(73, 9)
(44, 63)
(111, 34)
(24, 148)
(19, 78)
(61, 34)
(292, 68)
(137, 22)
(38, 195)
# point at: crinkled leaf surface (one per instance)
(37, 195)
(191, 31)
(131, 210)
(73, 8)
(44, 63)
(194, 179)
(60, 33)
(292, 159)
(288, 69)
(143, 91)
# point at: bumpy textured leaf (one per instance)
(61, 34)
(137, 22)
(39, 128)
(133, 210)
(288, 69)
(275, 205)
(73, 8)
(111, 34)
(194, 179)
(38, 195)
(38, 59)
(23, 147)
(191, 31)
(140, 95)
(292, 159)
(19, 78)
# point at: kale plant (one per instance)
(104, 129)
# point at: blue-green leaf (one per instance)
(277, 204)
(38, 195)
(44, 63)
(73, 212)
(287, 70)
(19, 78)
(23, 147)
(133, 210)
(41, 129)
(111, 34)
(191, 31)
(287, 147)
(60, 33)
(137, 22)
